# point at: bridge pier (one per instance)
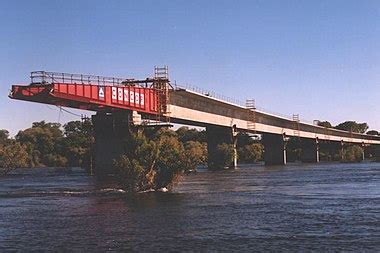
(363, 146)
(309, 150)
(217, 135)
(112, 132)
(234, 142)
(274, 149)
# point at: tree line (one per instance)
(350, 126)
(47, 144)
(155, 159)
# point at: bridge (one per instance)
(122, 103)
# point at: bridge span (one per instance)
(118, 101)
(193, 108)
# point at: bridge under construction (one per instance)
(123, 103)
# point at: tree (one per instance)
(353, 126)
(186, 134)
(44, 143)
(79, 138)
(130, 174)
(373, 132)
(171, 161)
(13, 155)
(154, 164)
(4, 136)
(352, 154)
(136, 170)
(82, 128)
(195, 154)
(324, 124)
(225, 152)
(250, 153)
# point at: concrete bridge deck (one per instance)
(192, 108)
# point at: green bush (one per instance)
(13, 155)
(352, 154)
(250, 153)
(158, 163)
(225, 154)
(195, 154)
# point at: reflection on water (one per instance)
(296, 207)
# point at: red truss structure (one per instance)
(96, 93)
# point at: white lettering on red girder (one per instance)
(101, 93)
(137, 98)
(142, 101)
(120, 94)
(124, 95)
(114, 93)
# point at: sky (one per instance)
(319, 59)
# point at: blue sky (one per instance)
(320, 59)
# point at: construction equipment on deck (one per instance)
(149, 97)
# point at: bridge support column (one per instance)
(309, 150)
(218, 135)
(363, 151)
(274, 149)
(112, 133)
(234, 142)
(341, 151)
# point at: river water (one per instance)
(324, 207)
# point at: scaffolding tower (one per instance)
(251, 115)
(162, 85)
(296, 125)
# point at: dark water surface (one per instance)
(325, 207)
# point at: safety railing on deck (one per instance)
(234, 101)
(210, 94)
(43, 77)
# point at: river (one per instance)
(324, 207)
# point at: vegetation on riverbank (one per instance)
(47, 145)
(157, 159)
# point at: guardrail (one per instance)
(209, 94)
(231, 100)
(43, 77)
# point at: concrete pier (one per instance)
(112, 133)
(309, 150)
(363, 146)
(274, 149)
(217, 135)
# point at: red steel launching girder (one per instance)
(96, 97)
